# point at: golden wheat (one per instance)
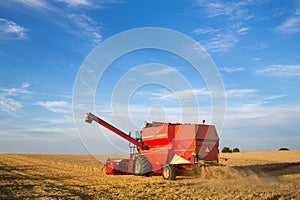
(253, 175)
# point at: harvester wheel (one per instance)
(142, 166)
(169, 172)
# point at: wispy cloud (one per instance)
(9, 30)
(200, 31)
(184, 94)
(291, 24)
(221, 42)
(23, 90)
(231, 70)
(243, 30)
(10, 105)
(274, 124)
(86, 27)
(9, 97)
(70, 16)
(256, 58)
(252, 94)
(74, 3)
(50, 121)
(253, 108)
(241, 93)
(236, 14)
(88, 3)
(229, 8)
(273, 97)
(62, 107)
(201, 92)
(157, 112)
(36, 4)
(160, 72)
(35, 132)
(281, 71)
(260, 116)
(217, 40)
(214, 9)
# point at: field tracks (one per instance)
(251, 175)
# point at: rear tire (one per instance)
(169, 172)
(142, 167)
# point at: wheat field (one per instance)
(250, 175)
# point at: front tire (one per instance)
(169, 172)
(142, 167)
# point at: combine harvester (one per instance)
(164, 148)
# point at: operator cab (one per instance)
(137, 135)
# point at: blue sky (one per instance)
(254, 44)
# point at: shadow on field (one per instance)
(16, 170)
(242, 172)
(274, 169)
(31, 186)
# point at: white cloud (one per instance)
(65, 120)
(160, 72)
(79, 24)
(180, 94)
(202, 92)
(23, 90)
(273, 97)
(44, 5)
(259, 123)
(256, 118)
(256, 59)
(25, 85)
(217, 40)
(261, 116)
(74, 3)
(9, 30)
(251, 94)
(86, 27)
(219, 8)
(235, 14)
(243, 30)
(216, 8)
(36, 4)
(36, 132)
(10, 105)
(207, 30)
(241, 93)
(184, 94)
(290, 25)
(9, 97)
(231, 70)
(56, 106)
(281, 71)
(221, 42)
(132, 116)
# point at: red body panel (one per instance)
(117, 167)
(179, 144)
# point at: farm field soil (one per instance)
(249, 175)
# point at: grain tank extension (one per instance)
(164, 148)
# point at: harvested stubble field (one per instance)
(250, 175)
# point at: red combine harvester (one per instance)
(164, 148)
